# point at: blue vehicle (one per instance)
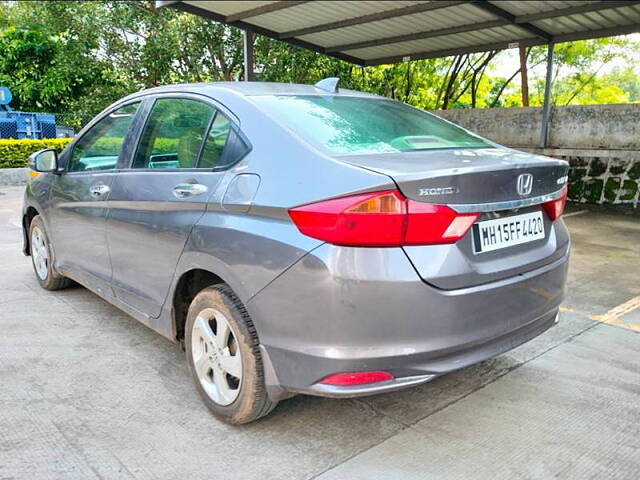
(24, 124)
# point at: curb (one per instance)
(13, 176)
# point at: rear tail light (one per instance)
(356, 378)
(381, 219)
(555, 208)
(430, 224)
(376, 219)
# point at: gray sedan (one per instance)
(302, 239)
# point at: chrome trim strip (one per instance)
(509, 205)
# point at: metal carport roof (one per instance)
(376, 32)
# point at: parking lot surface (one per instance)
(87, 392)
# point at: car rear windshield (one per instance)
(344, 125)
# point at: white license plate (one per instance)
(506, 232)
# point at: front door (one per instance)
(156, 202)
(79, 199)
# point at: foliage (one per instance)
(48, 68)
(109, 145)
(79, 57)
(15, 153)
(577, 79)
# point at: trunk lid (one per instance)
(477, 180)
(465, 176)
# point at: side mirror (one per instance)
(44, 161)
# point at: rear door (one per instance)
(179, 162)
(79, 198)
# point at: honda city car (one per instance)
(302, 239)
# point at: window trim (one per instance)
(68, 152)
(225, 149)
(149, 102)
(152, 102)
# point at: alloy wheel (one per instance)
(39, 253)
(216, 356)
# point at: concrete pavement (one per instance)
(87, 392)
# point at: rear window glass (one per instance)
(345, 125)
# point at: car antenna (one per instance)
(329, 84)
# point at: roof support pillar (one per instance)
(247, 39)
(546, 108)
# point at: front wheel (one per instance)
(223, 354)
(41, 257)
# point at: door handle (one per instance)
(99, 191)
(186, 190)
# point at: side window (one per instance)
(100, 146)
(174, 133)
(216, 140)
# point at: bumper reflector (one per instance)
(356, 378)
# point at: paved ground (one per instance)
(87, 392)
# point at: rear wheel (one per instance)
(223, 354)
(41, 257)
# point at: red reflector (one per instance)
(381, 219)
(356, 378)
(555, 208)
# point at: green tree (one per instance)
(72, 56)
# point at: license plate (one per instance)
(506, 232)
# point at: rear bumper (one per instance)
(345, 309)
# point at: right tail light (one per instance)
(555, 208)
(381, 219)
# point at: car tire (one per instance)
(41, 257)
(223, 354)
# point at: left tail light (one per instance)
(381, 219)
(555, 208)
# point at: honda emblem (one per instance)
(524, 184)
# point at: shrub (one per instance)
(15, 153)
(112, 145)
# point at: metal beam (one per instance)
(583, 35)
(511, 18)
(186, 7)
(589, 7)
(247, 41)
(418, 36)
(374, 17)
(254, 12)
(447, 52)
(482, 25)
(603, 32)
(546, 108)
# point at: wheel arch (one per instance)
(30, 213)
(188, 285)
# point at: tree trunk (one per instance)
(504, 85)
(458, 64)
(473, 90)
(407, 90)
(524, 77)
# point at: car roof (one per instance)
(252, 88)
